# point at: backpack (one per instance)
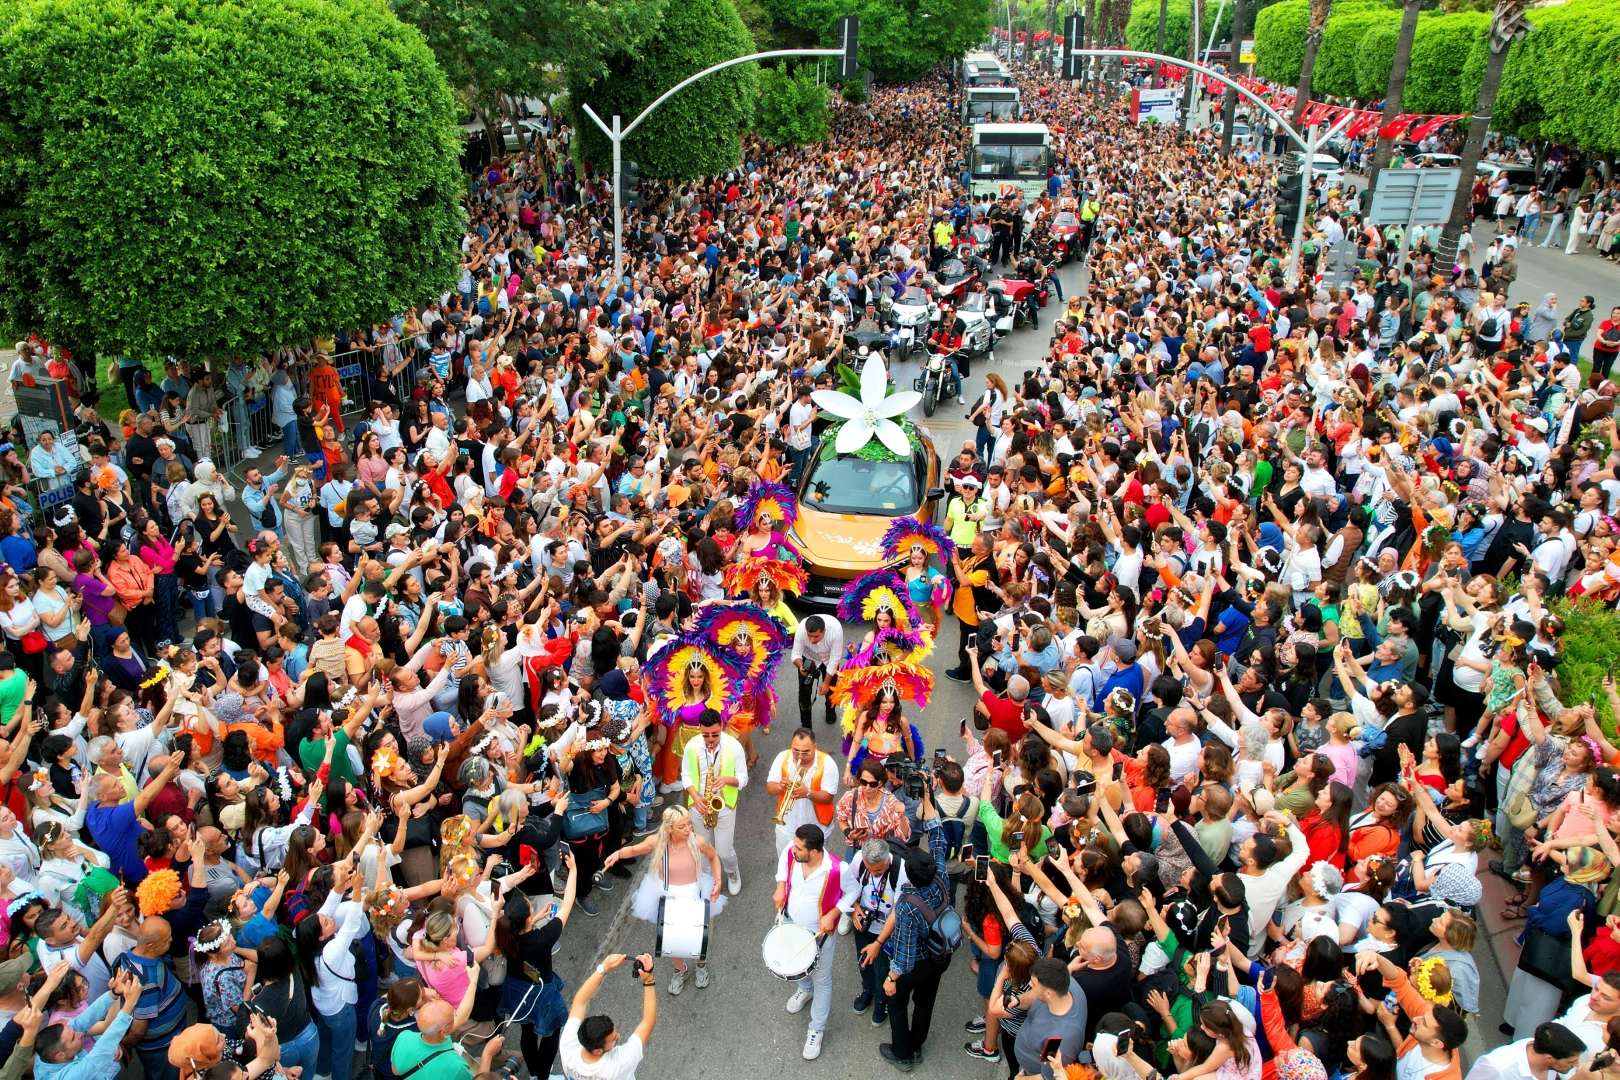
(956, 828)
(944, 929)
(1487, 329)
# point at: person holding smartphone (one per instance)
(1056, 1025)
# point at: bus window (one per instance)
(993, 161)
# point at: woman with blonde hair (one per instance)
(683, 864)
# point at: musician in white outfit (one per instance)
(718, 759)
(808, 779)
(814, 889)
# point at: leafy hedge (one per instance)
(1562, 82)
(201, 177)
(1279, 41)
(1590, 632)
(695, 133)
(1440, 79)
(1336, 73)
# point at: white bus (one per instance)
(993, 105)
(1009, 157)
(985, 69)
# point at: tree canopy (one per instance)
(695, 133)
(202, 177)
(1142, 31)
(900, 39)
(792, 108)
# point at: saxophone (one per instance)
(712, 799)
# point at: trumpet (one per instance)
(794, 777)
(711, 801)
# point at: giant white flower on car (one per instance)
(869, 415)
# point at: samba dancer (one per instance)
(685, 678)
(766, 505)
(683, 864)
(714, 773)
(927, 587)
(804, 782)
(755, 642)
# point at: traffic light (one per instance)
(629, 184)
(1289, 194)
(849, 31)
(1074, 33)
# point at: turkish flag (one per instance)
(1393, 129)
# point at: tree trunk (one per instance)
(1229, 99)
(1194, 26)
(1507, 25)
(1051, 24)
(1320, 9)
(1105, 12)
(1088, 34)
(1395, 91)
(1164, 13)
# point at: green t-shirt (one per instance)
(312, 751)
(443, 1062)
(999, 851)
(11, 695)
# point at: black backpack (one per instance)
(944, 928)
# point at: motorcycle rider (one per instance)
(869, 323)
(947, 339)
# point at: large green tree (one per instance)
(900, 39)
(496, 52)
(792, 107)
(696, 132)
(1142, 29)
(203, 177)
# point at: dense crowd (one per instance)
(1253, 582)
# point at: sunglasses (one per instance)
(871, 783)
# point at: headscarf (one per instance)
(1586, 866)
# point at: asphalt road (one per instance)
(738, 1026)
(739, 1022)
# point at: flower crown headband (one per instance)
(212, 946)
(162, 673)
(1425, 981)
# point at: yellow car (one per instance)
(845, 506)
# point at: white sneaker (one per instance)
(733, 884)
(702, 977)
(677, 982)
(812, 1046)
(845, 924)
(798, 1001)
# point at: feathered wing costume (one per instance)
(908, 534)
(741, 578)
(770, 504)
(879, 590)
(755, 641)
(893, 661)
(665, 673)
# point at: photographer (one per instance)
(591, 1045)
(818, 646)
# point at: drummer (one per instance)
(815, 890)
(683, 865)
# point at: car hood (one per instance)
(840, 545)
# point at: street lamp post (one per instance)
(618, 132)
(1307, 143)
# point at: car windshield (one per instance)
(852, 485)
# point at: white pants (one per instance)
(300, 533)
(819, 984)
(723, 838)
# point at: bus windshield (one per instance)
(995, 111)
(1002, 162)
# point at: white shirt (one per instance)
(618, 1063)
(1318, 482)
(803, 811)
(804, 898)
(1510, 1062)
(1591, 1032)
(1412, 1065)
(822, 652)
(1183, 759)
(334, 989)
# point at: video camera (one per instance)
(915, 778)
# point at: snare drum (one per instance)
(790, 950)
(683, 928)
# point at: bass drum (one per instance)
(683, 928)
(790, 951)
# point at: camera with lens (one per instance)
(911, 774)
